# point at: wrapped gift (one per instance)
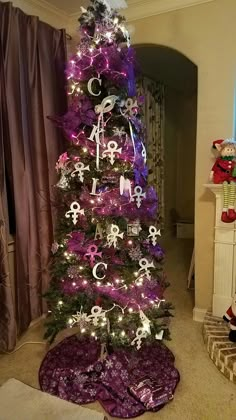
(152, 394)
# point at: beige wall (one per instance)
(206, 34)
(47, 14)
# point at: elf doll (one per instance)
(224, 172)
(230, 316)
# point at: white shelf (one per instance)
(224, 256)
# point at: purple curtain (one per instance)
(32, 83)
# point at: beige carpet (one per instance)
(21, 402)
(203, 392)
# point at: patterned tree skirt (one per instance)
(127, 383)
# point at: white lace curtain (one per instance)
(153, 118)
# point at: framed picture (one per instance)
(133, 229)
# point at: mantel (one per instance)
(215, 188)
(224, 256)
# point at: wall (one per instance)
(47, 13)
(180, 146)
(206, 34)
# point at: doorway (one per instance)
(178, 78)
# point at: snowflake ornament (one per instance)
(135, 254)
(73, 271)
(54, 247)
(119, 131)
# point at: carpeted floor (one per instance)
(203, 392)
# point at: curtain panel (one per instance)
(153, 118)
(32, 83)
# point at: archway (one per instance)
(178, 75)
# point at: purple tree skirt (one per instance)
(127, 383)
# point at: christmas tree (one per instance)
(107, 267)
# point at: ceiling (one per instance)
(136, 8)
(69, 6)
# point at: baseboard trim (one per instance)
(37, 321)
(199, 314)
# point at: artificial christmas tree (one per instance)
(107, 268)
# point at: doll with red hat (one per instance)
(224, 172)
(230, 316)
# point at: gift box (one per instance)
(152, 394)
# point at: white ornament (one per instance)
(99, 232)
(125, 186)
(79, 317)
(140, 335)
(132, 137)
(95, 134)
(97, 313)
(94, 187)
(90, 82)
(153, 234)
(79, 169)
(144, 266)
(112, 149)
(95, 270)
(119, 131)
(142, 332)
(145, 321)
(159, 336)
(113, 236)
(144, 153)
(74, 212)
(54, 247)
(135, 254)
(106, 105)
(63, 182)
(130, 107)
(138, 196)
